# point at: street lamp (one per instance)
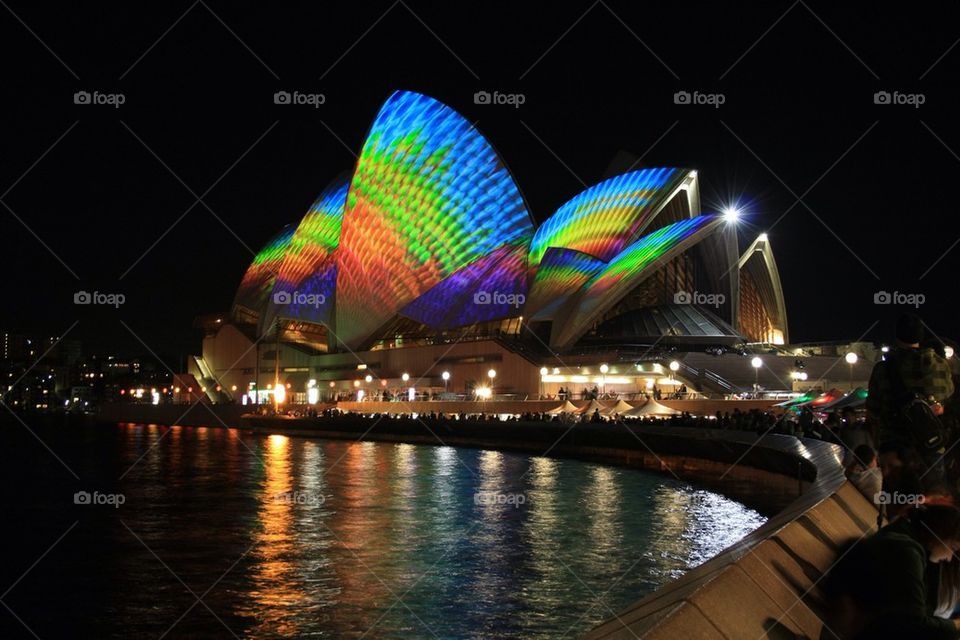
(674, 367)
(756, 363)
(851, 359)
(603, 380)
(543, 372)
(491, 374)
(446, 378)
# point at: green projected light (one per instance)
(626, 271)
(305, 283)
(429, 197)
(257, 283)
(560, 275)
(603, 219)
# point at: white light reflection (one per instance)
(544, 531)
(603, 510)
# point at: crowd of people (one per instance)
(904, 580)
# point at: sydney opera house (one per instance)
(422, 270)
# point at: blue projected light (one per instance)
(492, 288)
(603, 219)
(560, 275)
(307, 277)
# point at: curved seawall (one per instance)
(766, 585)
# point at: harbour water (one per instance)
(155, 531)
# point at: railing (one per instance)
(719, 380)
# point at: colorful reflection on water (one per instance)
(288, 537)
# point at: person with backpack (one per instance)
(905, 392)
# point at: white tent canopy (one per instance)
(566, 407)
(594, 406)
(653, 408)
(621, 407)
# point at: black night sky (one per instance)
(103, 198)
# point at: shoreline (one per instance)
(766, 473)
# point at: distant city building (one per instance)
(47, 373)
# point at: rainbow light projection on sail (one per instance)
(560, 275)
(429, 196)
(626, 271)
(603, 219)
(257, 283)
(492, 288)
(308, 274)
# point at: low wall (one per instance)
(697, 407)
(212, 415)
(195, 415)
(765, 586)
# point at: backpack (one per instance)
(915, 414)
